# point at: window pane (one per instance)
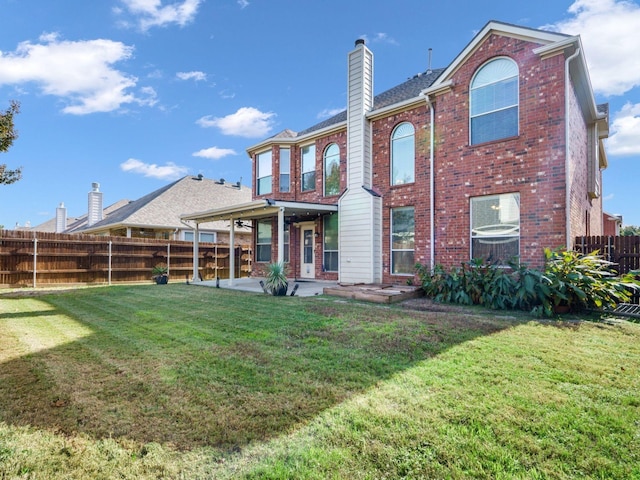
(332, 170)
(287, 242)
(309, 181)
(263, 173)
(402, 160)
(285, 168)
(495, 227)
(402, 240)
(402, 263)
(331, 232)
(308, 168)
(284, 182)
(331, 261)
(207, 237)
(188, 236)
(496, 125)
(264, 185)
(263, 244)
(264, 232)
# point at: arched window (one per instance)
(332, 170)
(494, 101)
(403, 154)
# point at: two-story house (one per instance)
(496, 156)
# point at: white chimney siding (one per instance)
(61, 218)
(95, 204)
(360, 220)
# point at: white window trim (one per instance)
(302, 171)
(392, 250)
(258, 177)
(519, 228)
(391, 163)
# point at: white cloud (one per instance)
(197, 76)
(151, 13)
(80, 72)
(243, 3)
(214, 153)
(625, 131)
(170, 171)
(379, 37)
(610, 34)
(247, 122)
(329, 112)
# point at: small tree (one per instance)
(630, 230)
(7, 135)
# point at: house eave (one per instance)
(260, 209)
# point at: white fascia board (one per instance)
(373, 114)
(297, 140)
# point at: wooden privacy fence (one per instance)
(624, 251)
(31, 259)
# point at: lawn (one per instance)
(182, 381)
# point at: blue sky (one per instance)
(133, 94)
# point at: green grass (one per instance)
(187, 382)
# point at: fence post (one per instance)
(35, 258)
(109, 267)
(169, 258)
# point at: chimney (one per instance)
(61, 218)
(359, 102)
(95, 204)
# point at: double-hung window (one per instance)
(285, 169)
(263, 241)
(494, 101)
(402, 240)
(263, 172)
(495, 227)
(204, 236)
(308, 168)
(403, 154)
(331, 243)
(332, 170)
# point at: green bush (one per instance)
(569, 278)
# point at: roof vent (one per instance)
(220, 182)
(360, 41)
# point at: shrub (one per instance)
(569, 278)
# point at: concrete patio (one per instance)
(378, 293)
(306, 288)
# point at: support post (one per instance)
(281, 235)
(196, 252)
(232, 253)
(109, 267)
(35, 259)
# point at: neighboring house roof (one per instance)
(76, 223)
(162, 208)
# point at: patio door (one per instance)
(307, 256)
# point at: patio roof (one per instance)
(261, 209)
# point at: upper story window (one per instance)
(495, 227)
(263, 172)
(494, 101)
(403, 154)
(308, 168)
(285, 169)
(332, 170)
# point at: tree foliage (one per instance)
(630, 230)
(7, 135)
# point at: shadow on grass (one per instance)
(190, 366)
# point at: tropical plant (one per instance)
(276, 278)
(160, 273)
(582, 281)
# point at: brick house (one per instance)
(496, 156)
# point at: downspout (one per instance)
(432, 233)
(567, 193)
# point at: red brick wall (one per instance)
(531, 164)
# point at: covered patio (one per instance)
(289, 213)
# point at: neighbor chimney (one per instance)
(61, 218)
(95, 204)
